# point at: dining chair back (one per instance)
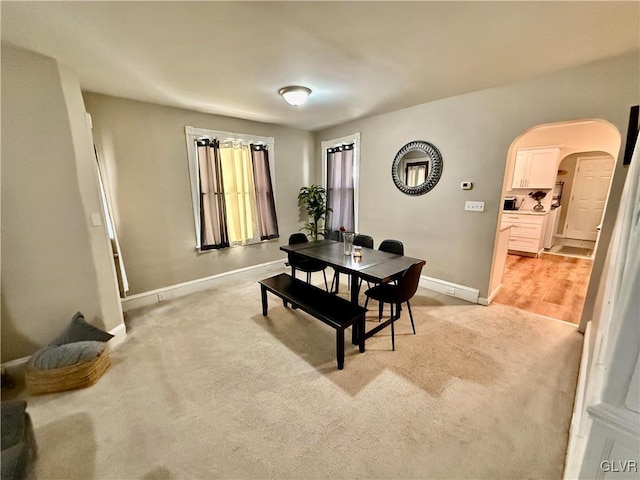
(397, 294)
(408, 283)
(305, 265)
(392, 246)
(363, 241)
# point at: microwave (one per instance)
(510, 203)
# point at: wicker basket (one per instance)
(67, 378)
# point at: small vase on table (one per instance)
(347, 242)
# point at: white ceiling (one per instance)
(359, 58)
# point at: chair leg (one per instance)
(308, 277)
(326, 285)
(393, 321)
(380, 306)
(411, 317)
(366, 303)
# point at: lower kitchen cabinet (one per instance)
(527, 232)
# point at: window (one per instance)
(340, 172)
(231, 186)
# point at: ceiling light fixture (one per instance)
(295, 95)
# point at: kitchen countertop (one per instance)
(526, 212)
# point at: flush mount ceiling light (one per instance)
(295, 95)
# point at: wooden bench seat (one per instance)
(335, 311)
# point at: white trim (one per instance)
(617, 418)
(220, 135)
(492, 295)
(545, 147)
(442, 286)
(355, 139)
(191, 134)
(119, 336)
(577, 441)
(18, 362)
(178, 290)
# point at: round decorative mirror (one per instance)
(417, 167)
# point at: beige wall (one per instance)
(49, 249)
(144, 150)
(473, 132)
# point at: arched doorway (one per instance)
(537, 265)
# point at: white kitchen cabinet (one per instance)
(535, 168)
(527, 232)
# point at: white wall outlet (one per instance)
(466, 185)
(474, 206)
(450, 290)
(162, 297)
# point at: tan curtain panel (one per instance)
(264, 193)
(239, 193)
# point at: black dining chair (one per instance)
(392, 246)
(359, 240)
(363, 241)
(305, 265)
(396, 295)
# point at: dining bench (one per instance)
(335, 311)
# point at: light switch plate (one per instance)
(474, 206)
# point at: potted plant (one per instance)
(538, 196)
(314, 201)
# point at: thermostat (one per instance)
(466, 185)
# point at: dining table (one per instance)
(372, 265)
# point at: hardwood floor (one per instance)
(550, 285)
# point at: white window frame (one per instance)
(355, 139)
(192, 134)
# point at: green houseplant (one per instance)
(314, 201)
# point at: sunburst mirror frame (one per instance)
(435, 167)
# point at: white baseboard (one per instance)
(18, 362)
(492, 295)
(181, 289)
(119, 335)
(453, 289)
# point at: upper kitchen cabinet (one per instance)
(535, 168)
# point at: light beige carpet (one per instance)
(206, 387)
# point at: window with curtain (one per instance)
(232, 190)
(341, 159)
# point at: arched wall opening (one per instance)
(569, 141)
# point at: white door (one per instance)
(588, 198)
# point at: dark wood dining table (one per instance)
(373, 265)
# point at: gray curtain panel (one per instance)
(213, 225)
(264, 193)
(340, 189)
